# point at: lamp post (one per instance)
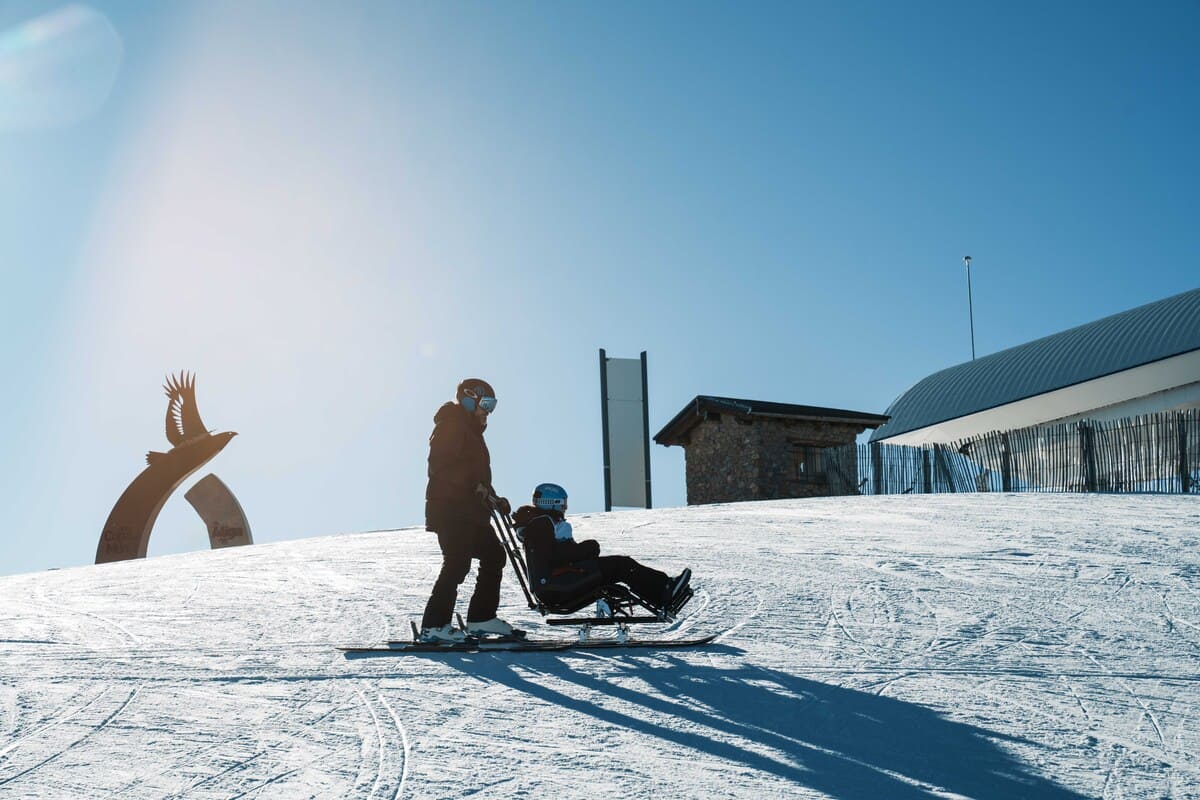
(970, 306)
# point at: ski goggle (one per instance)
(487, 403)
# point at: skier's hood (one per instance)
(452, 411)
(448, 411)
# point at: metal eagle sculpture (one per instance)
(127, 531)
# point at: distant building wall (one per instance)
(722, 461)
(731, 459)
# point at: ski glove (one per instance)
(488, 495)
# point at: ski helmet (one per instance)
(550, 496)
(473, 392)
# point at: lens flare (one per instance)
(57, 69)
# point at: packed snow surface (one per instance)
(985, 646)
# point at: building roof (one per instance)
(698, 409)
(1133, 338)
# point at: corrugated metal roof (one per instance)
(1129, 339)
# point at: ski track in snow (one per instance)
(986, 646)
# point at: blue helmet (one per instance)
(550, 496)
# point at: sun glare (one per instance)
(231, 243)
(57, 69)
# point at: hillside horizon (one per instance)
(986, 646)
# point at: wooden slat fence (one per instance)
(1152, 453)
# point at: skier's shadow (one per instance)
(842, 742)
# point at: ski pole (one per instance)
(518, 564)
(506, 532)
(517, 553)
(512, 538)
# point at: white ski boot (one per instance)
(444, 634)
(494, 627)
(676, 586)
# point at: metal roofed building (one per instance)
(753, 450)
(1140, 361)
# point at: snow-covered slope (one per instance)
(890, 647)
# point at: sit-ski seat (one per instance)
(567, 589)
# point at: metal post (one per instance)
(646, 426)
(1006, 463)
(604, 430)
(970, 305)
(1087, 444)
(877, 485)
(1185, 474)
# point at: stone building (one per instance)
(751, 450)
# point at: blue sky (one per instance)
(333, 212)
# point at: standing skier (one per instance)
(458, 504)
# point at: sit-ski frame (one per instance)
(615, 605)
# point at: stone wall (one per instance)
(722, 461)
(730, 459)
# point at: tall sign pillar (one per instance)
(625, 421)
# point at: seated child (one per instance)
(558, 555)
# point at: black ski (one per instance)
(527, 645)
(399, 648)
(474, 642)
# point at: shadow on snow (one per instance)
(843, 742)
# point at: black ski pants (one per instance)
(460, 544)
(646, 582)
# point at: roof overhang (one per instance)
(1114, 344)
(1169, 383)
(699, 409)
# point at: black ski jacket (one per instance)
(458, 462)
(552, 552)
